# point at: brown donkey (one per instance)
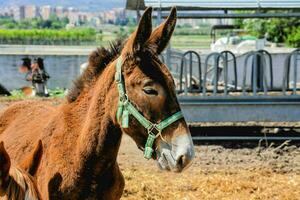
(122, 90)
(17, 183)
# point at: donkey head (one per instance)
(151, 90)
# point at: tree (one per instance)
(276, 30)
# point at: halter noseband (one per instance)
(125, 108)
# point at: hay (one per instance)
(261, 173)
(195, 184)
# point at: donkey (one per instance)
(18, 183)
(125, 89)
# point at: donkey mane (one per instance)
(97, 62)
(21, 186)
(100, 58)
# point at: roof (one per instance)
(214, 4)
(135, 4)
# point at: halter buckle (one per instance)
(123, 99)
(154, 130)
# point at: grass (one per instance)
(191, 41)
(19, 95)
(177, 41)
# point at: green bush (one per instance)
(48, 36)
(293, 38)
(276, 30)
(36, 23)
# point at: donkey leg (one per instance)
(116, 190)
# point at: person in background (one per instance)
(26, 65)
(39, 77)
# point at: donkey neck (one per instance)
(99, 139)
(96, 136)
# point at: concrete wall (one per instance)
(62, 69)
(62, 63)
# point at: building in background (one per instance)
(31, 11)
(60, 11)
(46, 12)
(118, 16)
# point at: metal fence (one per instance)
(216, 74)
(225, 88)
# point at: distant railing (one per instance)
(211, 77)
(216, 72)
(292, 58)
(186, 73)
(258, 75)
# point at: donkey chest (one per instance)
(92, 184)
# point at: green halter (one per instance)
(125, 108)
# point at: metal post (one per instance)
(159, 13)
(191, 72)
(295, 74)
(215, 78)
(225, 75)
(186, 78)
(254, 77)
(168, 55)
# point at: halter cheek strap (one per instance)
(125, 109)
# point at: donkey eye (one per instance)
(150, 91)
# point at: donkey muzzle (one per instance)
(178, 155)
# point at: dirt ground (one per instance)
(217, 172)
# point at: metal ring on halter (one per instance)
(151, 128)
(154, 127)
(124, 99)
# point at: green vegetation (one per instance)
(53, 32)
(203, 29)
(188, 37)
(57, 92)
(45, 32)
(15, 95)
(19, 95)
(49, 37)
(190, 41)
(294, 37)
(276, 30)
(37, 23)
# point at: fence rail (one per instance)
(216, 74)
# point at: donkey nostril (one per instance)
(183, 162)
(180, 162)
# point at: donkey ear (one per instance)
(162, 34)
(4, 166)
(143, 31)
(32, 161)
